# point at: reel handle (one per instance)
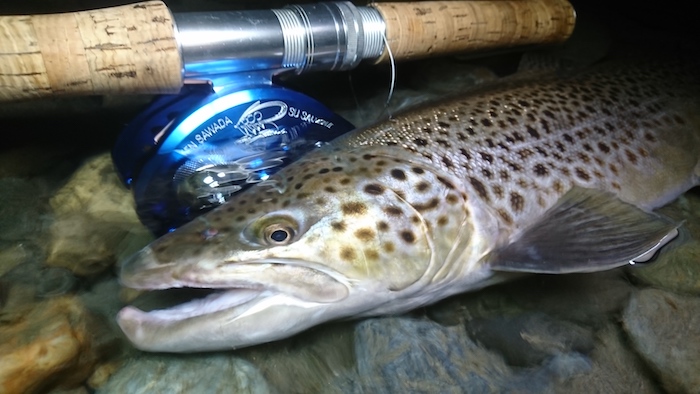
(134, 48)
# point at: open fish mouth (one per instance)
(215, 301)
(236, 305)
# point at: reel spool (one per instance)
(189, 153)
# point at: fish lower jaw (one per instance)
(222, 300)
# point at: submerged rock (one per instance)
(664, 328)
(614, 369)
(56, 344)
(94, 215)
(408, 355)
(529, 339)
(186, 374)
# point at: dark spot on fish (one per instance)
(240, 218)
(479, 188)
(365, 234)
(486, 122)
(498, 191)
(417, 170)
(631, 156)
(298, 186)
(422, 186)
(393, 211)
(382, 226)
(445, 182)
(308, 176)
(398, 174)
(286, 203)
(432, 204)
(374, 189)
(447, 162)
(470, 130)
(452, 199)
(517, 202)
(337, 169)
(347, 253)
(381, 163)
(324, 171)
(415, 219)
(442, 220)
(505, 216)
(487, 173)
(345, 181)
(486, 156)
(558, 187)
(302, 196)
(320, 201)
(420, 141)
(371, 254)
(389, 247)
(465, 153)
(230, 209)
(442, 142)
(505, 175)
(408, 236)
(540, 169)
(330, 189)
(338, 226)
(582, 174)
(444, 125)
(368, 156)
(354, 208)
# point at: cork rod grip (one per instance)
(125, 49)
(429, 28)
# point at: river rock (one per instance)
(664, 328)
(416, 355)
(186, 374)
(53, 345)
(614, 369)
(94, 215)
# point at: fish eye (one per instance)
(278, 234)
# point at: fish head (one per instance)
(328, 237)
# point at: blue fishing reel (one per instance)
(189, 153)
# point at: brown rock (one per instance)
(94, 214)
(50, 347)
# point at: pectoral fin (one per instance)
(586, 231)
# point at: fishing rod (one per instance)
(221, 123)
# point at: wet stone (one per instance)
(51, 346)
(664, 328)
(615, 368)
(186, 374)
(94, 214)
(401, 355)
(529, 339)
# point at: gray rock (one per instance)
(664, 328)
(529, 339)
(405, 355)
(205, 374)
(614, 369)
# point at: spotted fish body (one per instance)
(526, 176)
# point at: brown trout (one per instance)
(552, 175)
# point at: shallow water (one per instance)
(66, 221)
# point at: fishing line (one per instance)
(393, 74)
